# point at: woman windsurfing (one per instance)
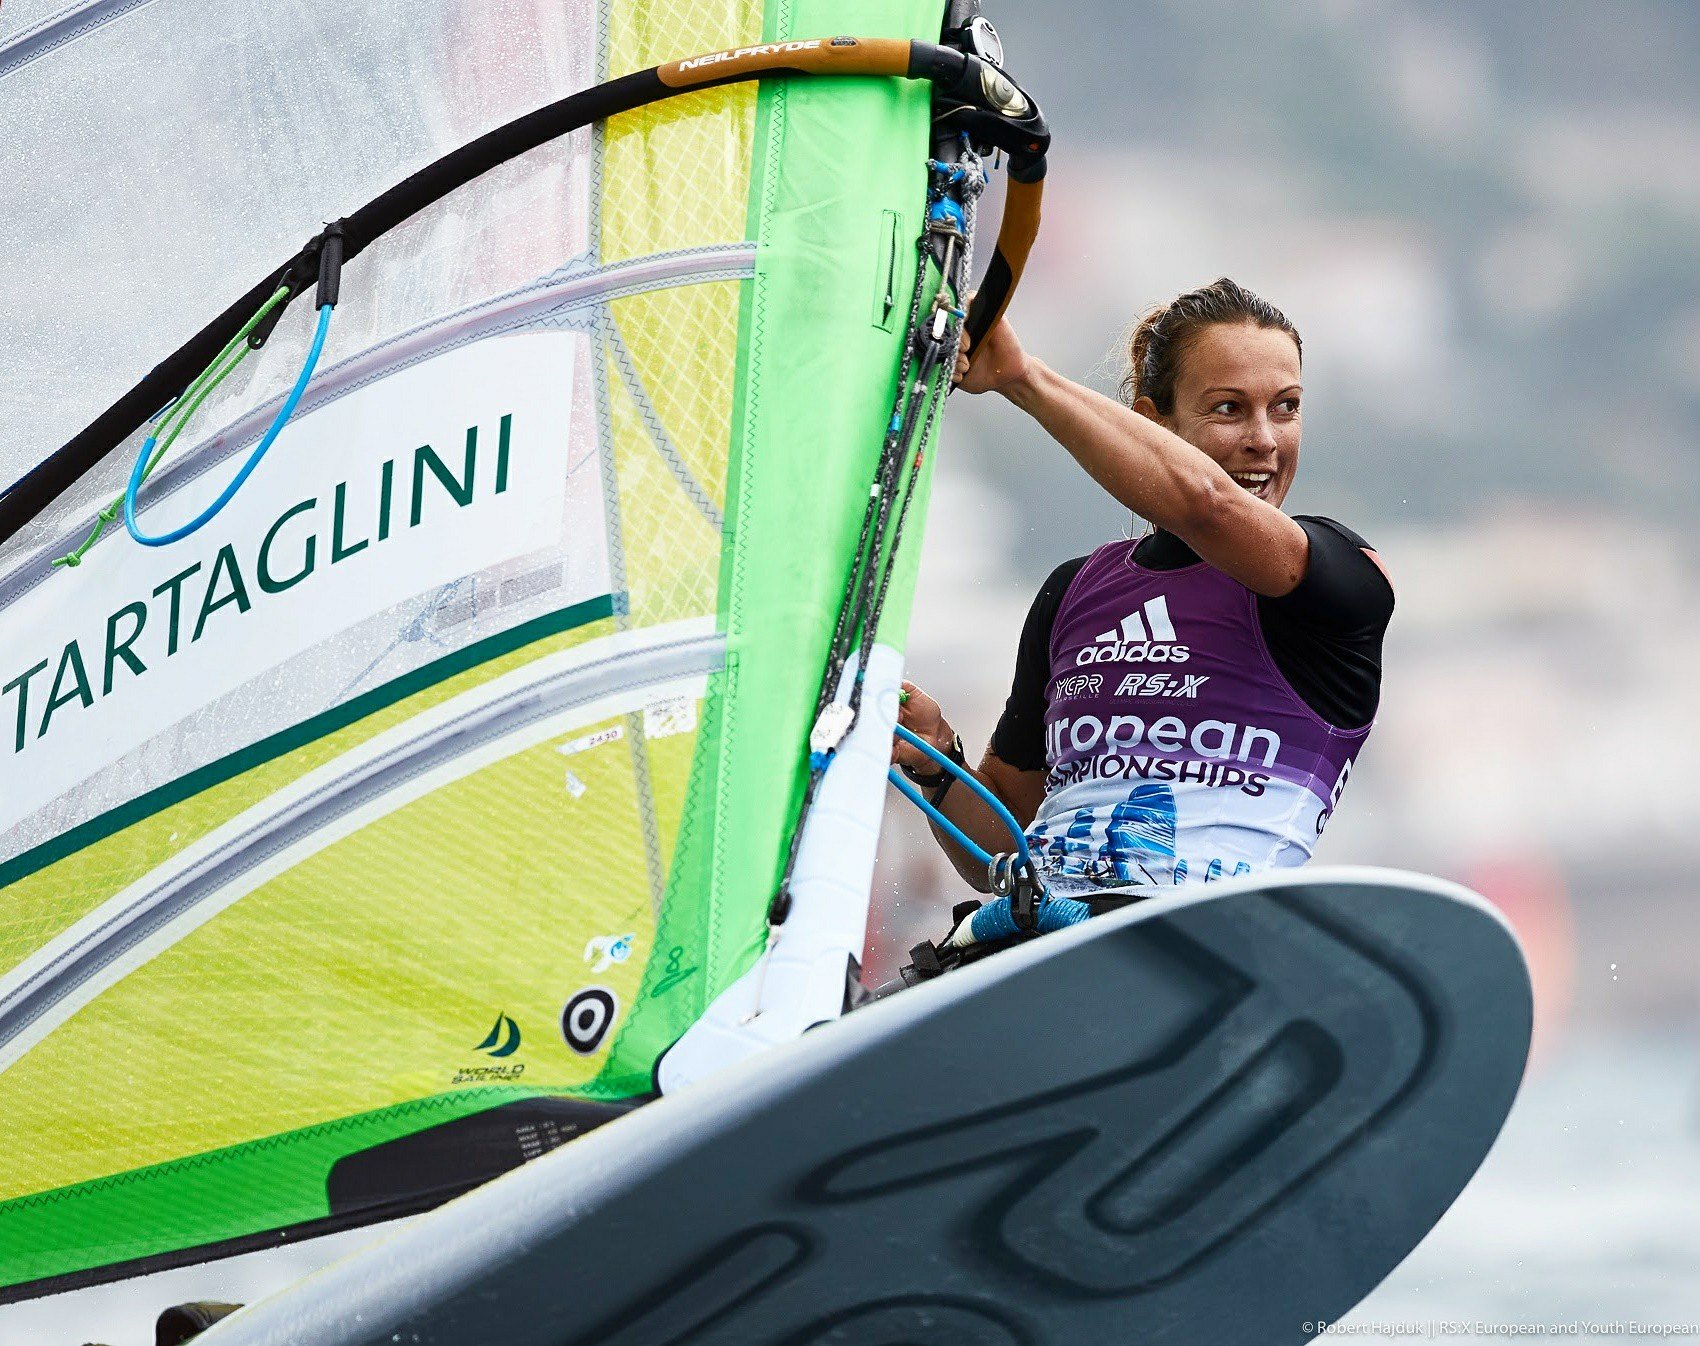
(1188, 705)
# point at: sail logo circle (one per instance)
(588, 1017)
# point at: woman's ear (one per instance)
(1148, 409)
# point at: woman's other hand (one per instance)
(921, 716)
(1000, 362)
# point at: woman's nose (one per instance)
(1263, 437)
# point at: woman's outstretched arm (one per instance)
(1148, 468)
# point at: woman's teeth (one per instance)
(1252, 481)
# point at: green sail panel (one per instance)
(385, 832)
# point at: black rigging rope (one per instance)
(932, 339)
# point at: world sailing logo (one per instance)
(503, 1038)
(501, 1042)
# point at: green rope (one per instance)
(175, 418)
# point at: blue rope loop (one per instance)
(943, 823)
(949, 215)
(996, 919)
(948, 174)
(206, 516)
(972, 781)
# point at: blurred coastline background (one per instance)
(1485, 221)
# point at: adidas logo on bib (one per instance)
(1146, 636)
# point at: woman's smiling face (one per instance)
(1237, 397)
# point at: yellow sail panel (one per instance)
(383, 833)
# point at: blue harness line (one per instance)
(995, 919)
(972, 781)
(938, 819)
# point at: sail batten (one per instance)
(29, 38)
(542, 701)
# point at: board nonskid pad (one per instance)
(1221, 1116)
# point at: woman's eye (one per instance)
(1224, 408)
(1290, 405)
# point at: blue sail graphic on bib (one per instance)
(1141, 831)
